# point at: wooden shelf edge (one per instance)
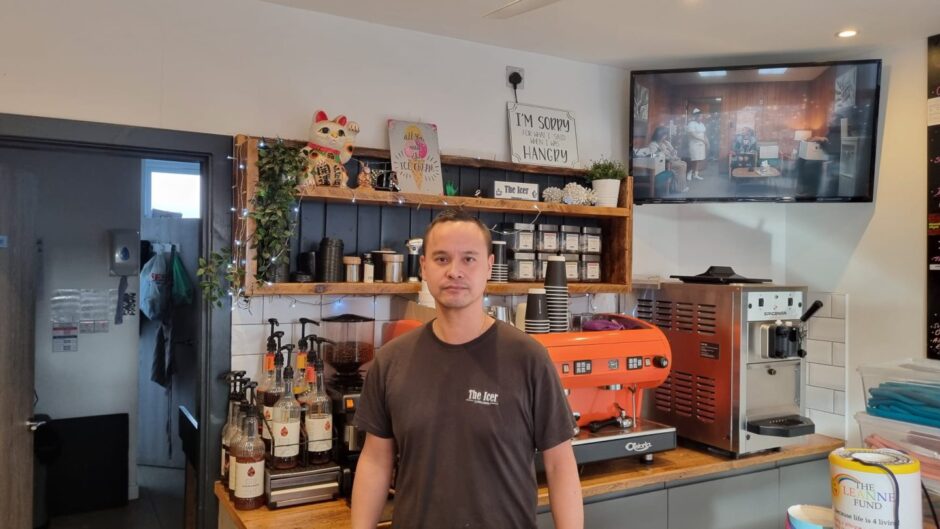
(376, 289)
(465, 161)
(370, 196)
(279, 289)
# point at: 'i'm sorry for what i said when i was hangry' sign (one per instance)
(542, 136)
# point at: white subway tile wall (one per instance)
(819, 398)
(830, 424)
(826, 360)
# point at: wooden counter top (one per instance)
(596, 479)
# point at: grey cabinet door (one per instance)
(805, 483)
(749, 501)
(642, 511)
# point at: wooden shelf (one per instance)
(505, 289)
(617, 223)
(369, 289)
(385, 198)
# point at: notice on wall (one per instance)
(95, 308)
(542, 136)
(65, 337)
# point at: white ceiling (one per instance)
(656, 33)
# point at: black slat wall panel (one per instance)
(365, 228)
(369, 228)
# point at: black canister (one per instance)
(307, 263)
(330, 264)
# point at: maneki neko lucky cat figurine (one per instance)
(329, 146)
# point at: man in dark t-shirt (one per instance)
(464, 402)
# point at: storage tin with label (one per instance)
(546, 239)
(591, 268)
(591, 240)
(570, 239)
(519, 236)
(522, 267)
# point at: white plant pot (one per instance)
(607, 191)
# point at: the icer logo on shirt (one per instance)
(482, 397)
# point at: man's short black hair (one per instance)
(456, 215)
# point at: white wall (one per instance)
(82, 197)
(876, 253)
(247, 66)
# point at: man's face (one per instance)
(456, 264)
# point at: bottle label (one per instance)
(368, 273)
(224, 467)
(268, 413)
(319, 433)
(249, 482)
(268, 362)
(232, 474)
(287, 438)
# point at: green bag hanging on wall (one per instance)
(182, 286)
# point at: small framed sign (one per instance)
(515, 190)
(542, 136)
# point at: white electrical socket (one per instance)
(509, 70)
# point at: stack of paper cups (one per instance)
(556, 293)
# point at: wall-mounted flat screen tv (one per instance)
(777, 133)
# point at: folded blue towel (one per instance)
(916, 403)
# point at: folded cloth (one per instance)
(916, 403)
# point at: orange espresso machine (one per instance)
(604, 374)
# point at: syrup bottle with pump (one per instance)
(318, 422)
(267, 362)
(301, 381)
(244, 408)
(272, 394)
(249, 463)
(234, 378)
(285, 425)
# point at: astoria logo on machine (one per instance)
(637, 447)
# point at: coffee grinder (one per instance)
(414, 259)
(353, 344)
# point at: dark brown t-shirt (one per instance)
(467, 420)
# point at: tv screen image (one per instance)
(786, 133)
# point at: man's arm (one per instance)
(564, 486)
(373, 477)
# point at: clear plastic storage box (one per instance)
(905, 390)
(919, 441)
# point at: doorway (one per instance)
(87, 376)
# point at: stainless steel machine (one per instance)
(737, 350)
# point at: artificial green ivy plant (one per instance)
(281, 168)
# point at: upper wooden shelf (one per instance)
(371, 196)
(370, 289)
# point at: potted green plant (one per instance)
(605, 176)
